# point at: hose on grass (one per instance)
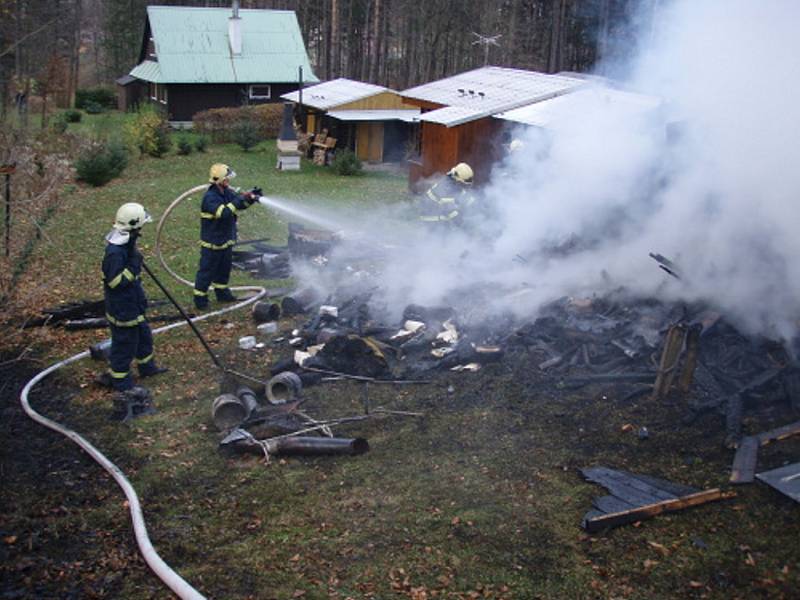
(162, 570)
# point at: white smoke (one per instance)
(711, 180)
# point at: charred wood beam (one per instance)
(651, 510)
(100, 322)
(690, 359)
(669, 360)
(744, 462)
(576, 382)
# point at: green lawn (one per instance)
(480, 498)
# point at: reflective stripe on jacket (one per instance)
(218, 212)
(445, 201)
(125, 300)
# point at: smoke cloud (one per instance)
(709, 179)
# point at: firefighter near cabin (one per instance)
(218, 216)
(449, 200)
(126, 303)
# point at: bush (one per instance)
(201, 143)
(94, 108)
(149, 132)
(246, 135)
(346, 163)
(221, 123)
(103, 96)
(72, 115)
(101, 162)
(184, 147)
(59, 124)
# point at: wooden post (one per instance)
(673, 343)
(690, 360)
(8, 170)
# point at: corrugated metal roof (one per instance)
(335, 93)
(400, 114)
(487, 91)
(548, 113)
(452, 115)
(192, 47)
(148, 71)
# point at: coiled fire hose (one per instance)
(162, 570)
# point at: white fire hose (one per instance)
(164, 572)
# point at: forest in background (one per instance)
(53, 47)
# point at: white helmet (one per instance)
(462, 173)
(514, 146)
(130, 216)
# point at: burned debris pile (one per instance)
(654, 348)
(642, 348)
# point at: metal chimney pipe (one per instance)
(235, 9)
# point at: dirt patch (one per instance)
(54, 543)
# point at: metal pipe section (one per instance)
(317, 446)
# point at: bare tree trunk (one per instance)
(75, 56)
(334, 41)
(556, 37)
(377, 38)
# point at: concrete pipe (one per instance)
(248, 399)
(228, 411)
(265, 312)
(284, 387)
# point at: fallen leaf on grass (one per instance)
(660, 547)
(649, 564)
(750, 560)
(10, 540)
(695, 584)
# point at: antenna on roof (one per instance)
(486, 41)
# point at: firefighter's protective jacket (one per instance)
(218, 217)
(122, 286)
(446, 201)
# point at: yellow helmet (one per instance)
(462, 173)
(218, 172)
(131, 216)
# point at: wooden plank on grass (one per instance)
(651, 510)
(781, 433)
(744, 463)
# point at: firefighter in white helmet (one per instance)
(125, 301)
(450, 198)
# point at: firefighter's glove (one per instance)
(253, 195)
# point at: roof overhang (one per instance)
(148, 71)
(405, 115)
(338, 92)
(550, 113)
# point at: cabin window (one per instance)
(151, 48)
(260, 92)
(158, 92)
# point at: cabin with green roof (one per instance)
(195, 58)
